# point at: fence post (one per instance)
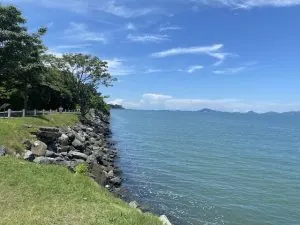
(43, 112)
(34, 112)
(9, 113)
(23, 112)
(50, 111)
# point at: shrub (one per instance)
(81, 168)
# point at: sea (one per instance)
(211, 168)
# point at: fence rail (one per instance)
(23, 113)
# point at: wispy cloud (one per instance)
(230, 70)
(167, 28)
(191, 50)
(117, 67)
(111, 7)
(192, 69)
(153, 70)
(157, 38)
(80, 32)
(248, 4)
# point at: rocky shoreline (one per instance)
(87, 143)
(87, 146)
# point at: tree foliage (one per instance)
(29, 78)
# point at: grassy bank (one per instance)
(32, 194)
(15, 130)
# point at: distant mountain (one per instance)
(115, 106)
(207, 110)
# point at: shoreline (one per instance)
(89, 142)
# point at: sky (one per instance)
(229, 55)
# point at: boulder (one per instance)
(78, 155)
(80, 137)
(110, 174)
(47, 134)
(63, 140)
(29, 156)
(43, 160)
(27, 144)
(164, 219)
(2, 151)
(39, 148)
(71, 136)
(78, 144)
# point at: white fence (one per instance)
(10, 113)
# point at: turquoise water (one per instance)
(212, 168)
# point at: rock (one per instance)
(78, 155)
(49, 129)
(63, 140)
(29, 156)
(39, 148)
(71, 136)
(78, 144)
(64, 149)
(110, 174)
(44, 160)
(165, 220)
(48, 134)
(2, 151)
(51, 154)
(133, 204)
(116, 181)
(80, 137)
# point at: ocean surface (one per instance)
(212, 168)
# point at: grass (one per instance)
(15, 130)
(32, 194)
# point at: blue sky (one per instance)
(231, 55)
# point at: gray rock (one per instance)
(49, 129)
(78, 144)
(164, 219)
(133, 204)
(63, 140)
(110, 174)
(71, 136)
(80, 137)
(78, 155)
(48, 134)
(39, 148)
(116, 181)
(64, 149)
(29, 156)
(51, 154)
(2, 151)
(43, 160)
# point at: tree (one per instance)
(89, 72)
(20, 53)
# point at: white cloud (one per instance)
(130, 26)
(192, 69)
(117, 67)
(191, 50)
(230, 70)
(117, 101)
(167, 28)
(247, 4)
(80, 32)
(167, 102)
(157, 38)
(111, 7)
(153, 71)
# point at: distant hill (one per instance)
(115, 106)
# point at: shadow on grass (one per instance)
(41, 117)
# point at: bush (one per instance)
(81, 168)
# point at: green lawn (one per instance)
(32, 194)
(14, 130)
